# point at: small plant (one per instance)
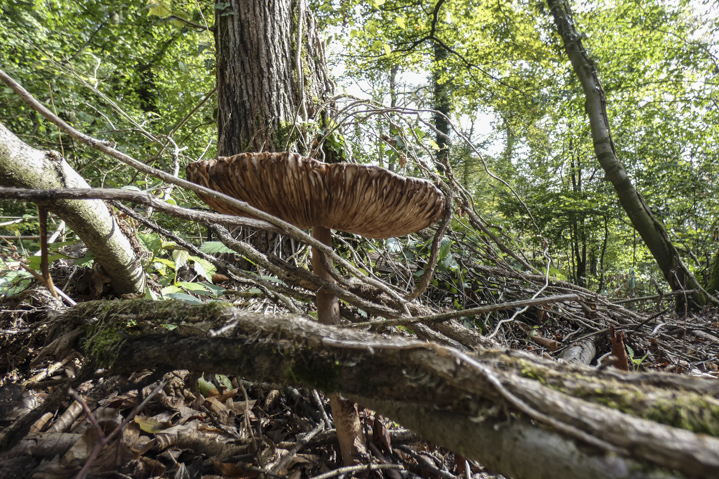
(636, 362)
(166, 269)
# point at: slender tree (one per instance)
(651, 230)
(440, 102)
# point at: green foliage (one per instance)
(128, 71)
(658, 65)
(13, 281)
(166, 270)
(636, 362)
(112, 71)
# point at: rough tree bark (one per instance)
(651, 230)
(517, 414)
(267, 87)
(268, 83)
(25, 167)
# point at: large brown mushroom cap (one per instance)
(365, 200)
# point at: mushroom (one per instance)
(365, 200)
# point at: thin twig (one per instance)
(436, 242)
(282, 463)
(351, 469)
(44, 267)
(435, 318)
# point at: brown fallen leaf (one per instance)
(231, 470)
(380, 435)
(619, 351)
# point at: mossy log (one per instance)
(516, 413)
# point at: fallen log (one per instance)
(516, 413)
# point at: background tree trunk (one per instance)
(651, 230)
(440, 103)
(263, 97)
(25, 167)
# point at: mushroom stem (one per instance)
(347, 423)
(328, 306)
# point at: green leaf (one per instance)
(387, 50)
(14, 282)
(184, 297)
(224, 381)
(203, 267)
(212, 247)
(159, 8)
(216, 290)
(34, 261)
(194, 287)
(151, 242)
(169, 263)
(180, 256)
(401, 22)
(171, 289)
(444, 247)
(205, 386)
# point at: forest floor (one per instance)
(182, 425)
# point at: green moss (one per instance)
(318, 374)
(530, 372)
(286, 133)
(103, 346)
(686, 411)
(114, 321)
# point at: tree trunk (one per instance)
(25, 167)
(650, 229)
(440, 103)
(263, 103)
(713, 283)
(264, 97)
(516, 413)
